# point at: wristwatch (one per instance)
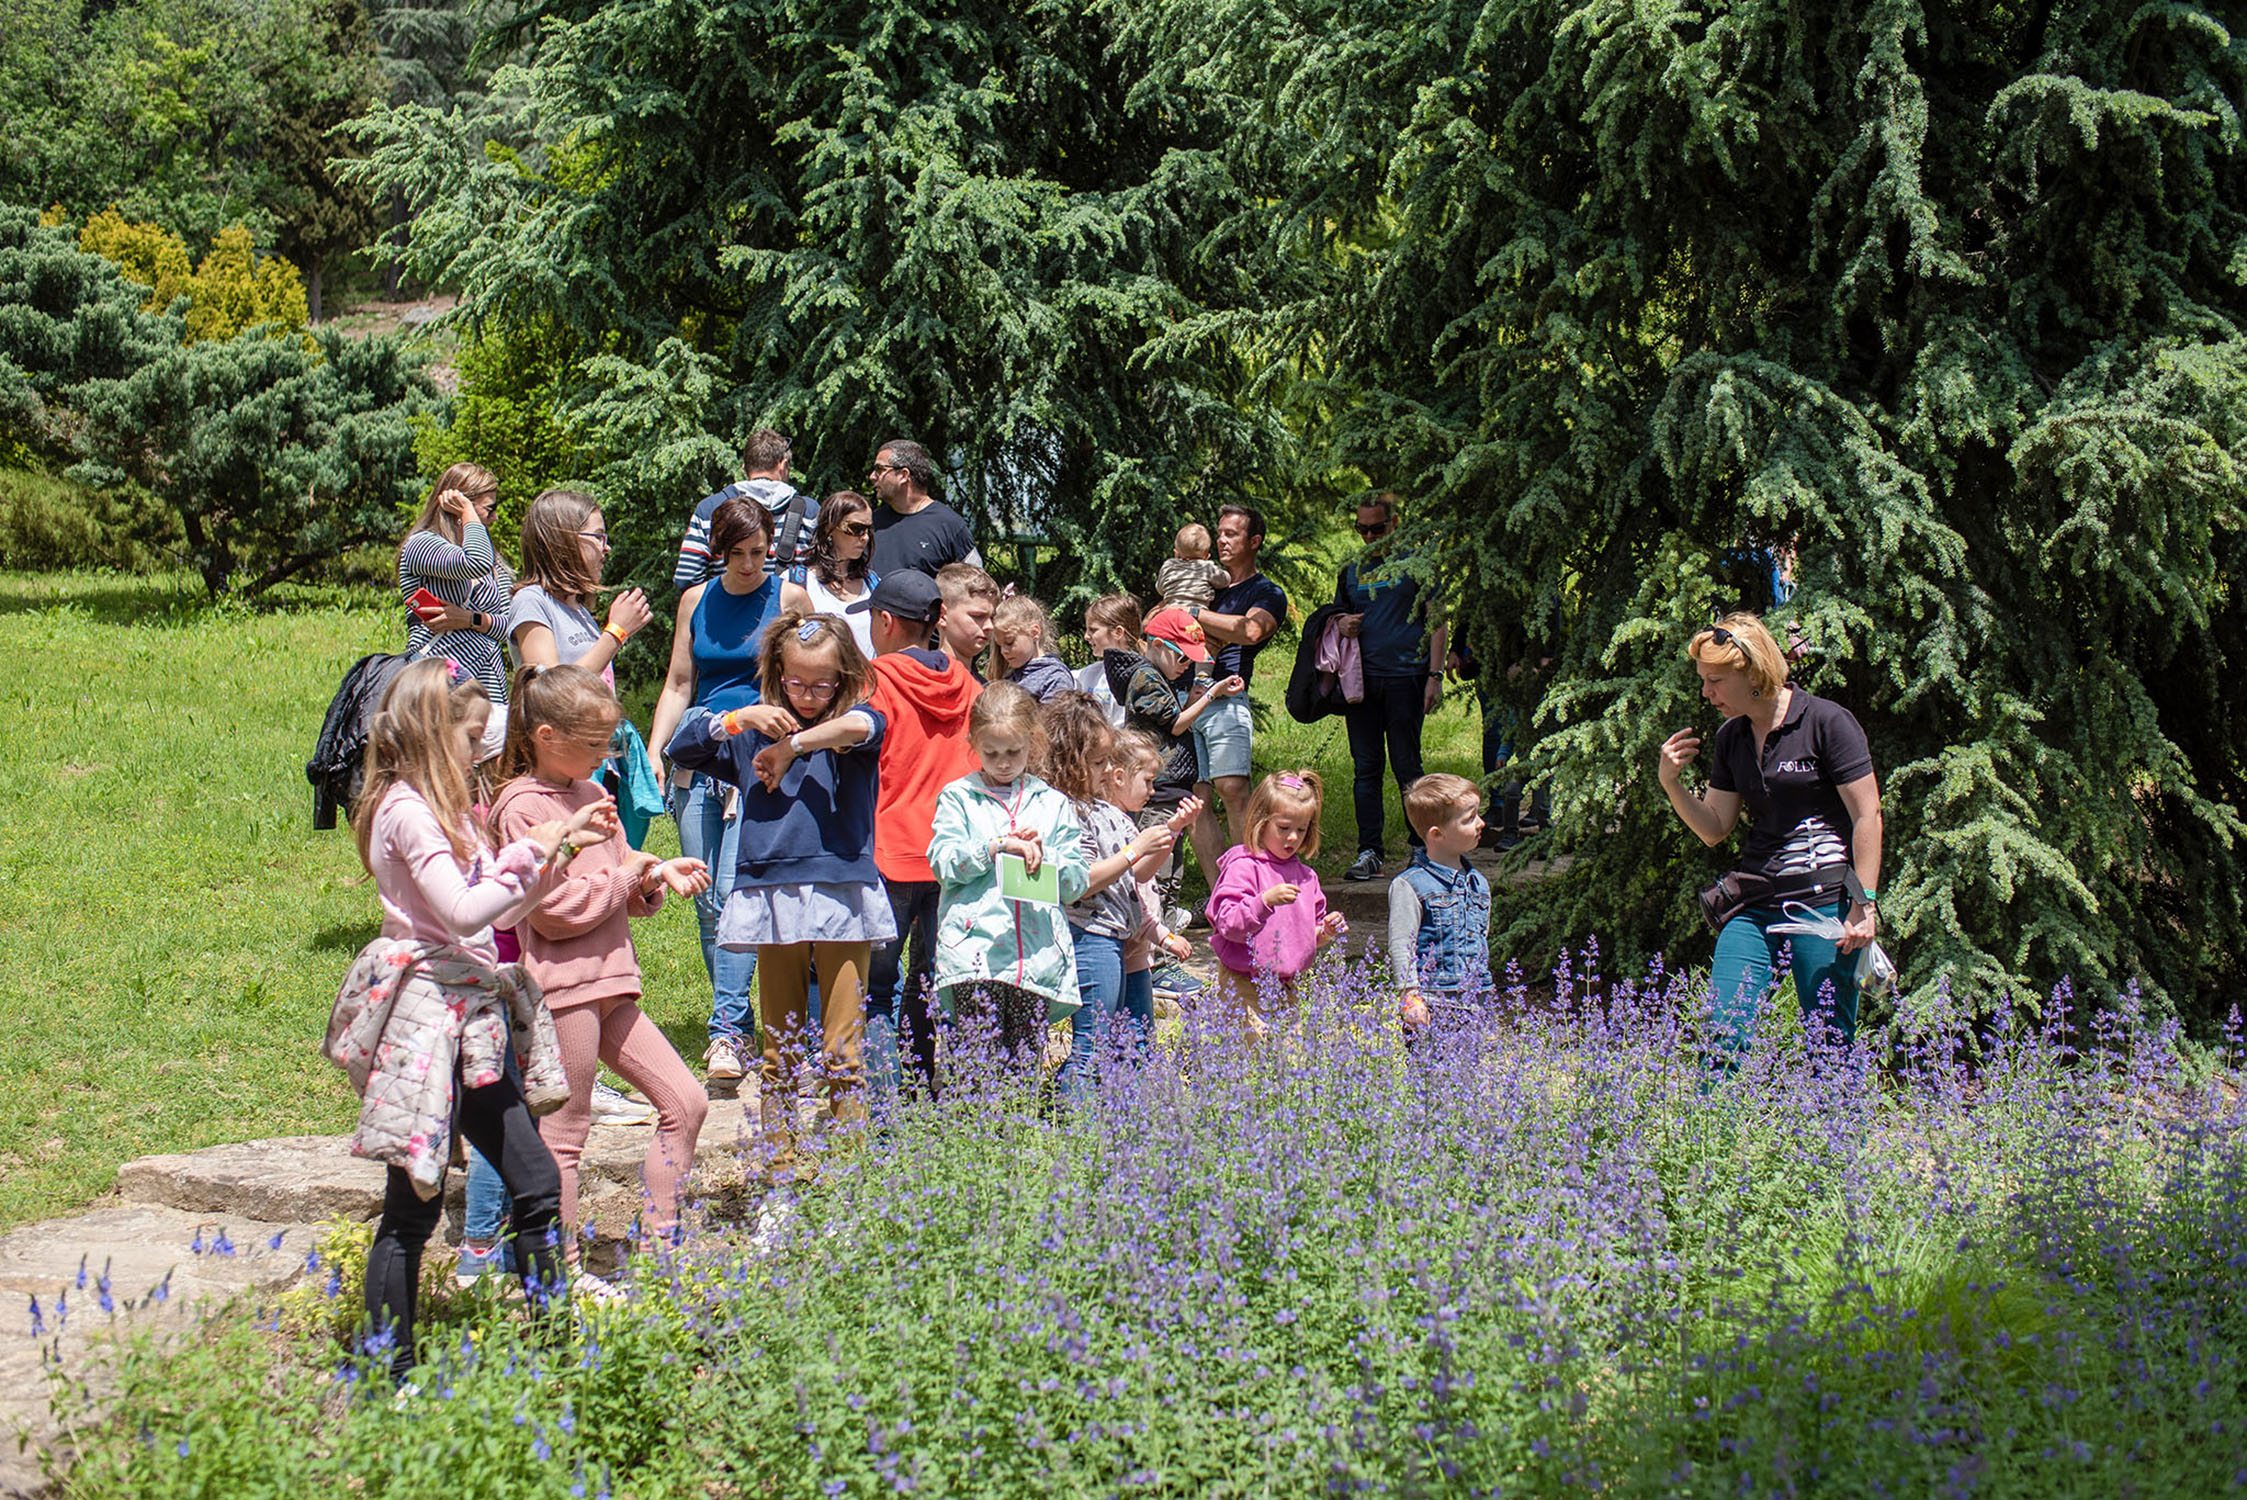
(1194, 612)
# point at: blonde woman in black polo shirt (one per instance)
(1799, 767)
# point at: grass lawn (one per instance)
(175, 927)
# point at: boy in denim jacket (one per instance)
(1439, 908)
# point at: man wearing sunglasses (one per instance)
(1402, 647)
(764, 458)
(912, 528)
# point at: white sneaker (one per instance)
(615, 1107)
(587, 1287)
(723, 1059)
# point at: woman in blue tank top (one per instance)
(714, 665)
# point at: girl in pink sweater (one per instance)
(1267, 915)
(576, 944)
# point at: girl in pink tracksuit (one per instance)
(1267, 915)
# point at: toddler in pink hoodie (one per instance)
(1267, 914)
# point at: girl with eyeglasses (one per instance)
(837, 575)
(550, 621)
(806, 895)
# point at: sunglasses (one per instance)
(1378, 528)
(855, 528)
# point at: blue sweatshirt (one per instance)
(817, 828)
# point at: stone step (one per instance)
(139, 1247)
(292, 1179)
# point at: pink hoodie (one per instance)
(1245, 934)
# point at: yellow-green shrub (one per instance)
(233, 288)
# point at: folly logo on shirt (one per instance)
(1808, 766)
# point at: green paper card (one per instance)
(1016, 883)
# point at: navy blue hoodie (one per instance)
(817, 828)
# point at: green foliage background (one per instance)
(1943, 300)
(1948, 298)
(951, 223)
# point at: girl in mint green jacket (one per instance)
(1005, 961)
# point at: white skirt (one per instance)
(758, 915)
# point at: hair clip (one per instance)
(455, 673)
(1007, 592)
(1291, 781)
(807, 630)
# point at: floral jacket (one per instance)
(407, 1013)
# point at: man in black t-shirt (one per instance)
(912, 528)
(1237, 623)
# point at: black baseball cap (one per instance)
(908, 594)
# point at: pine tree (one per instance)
(944, 222)
(1946, 298)
(276, 451)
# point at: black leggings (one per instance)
(1015, 1018)
(497, 1123)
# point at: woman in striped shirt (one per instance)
(449, 552)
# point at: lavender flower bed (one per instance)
(1555, 1254)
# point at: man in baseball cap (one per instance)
(923, 697)
(909, 595)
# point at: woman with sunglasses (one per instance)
(1799, 767)
(836, 576)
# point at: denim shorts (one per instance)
(1221, 738)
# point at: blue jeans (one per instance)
(705, 834)
(484, 1218)
(1138, 1005)
(1825, 978)
(1100, 988)
(486, 1214)
(897, 991)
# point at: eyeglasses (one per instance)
(811, 689)
(596, 535)
(891, 469)
(855, 528)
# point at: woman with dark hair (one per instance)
(714, 666)
(449, 554)
(837, 576)
(1799, 768)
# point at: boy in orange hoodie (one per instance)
(923, 697)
